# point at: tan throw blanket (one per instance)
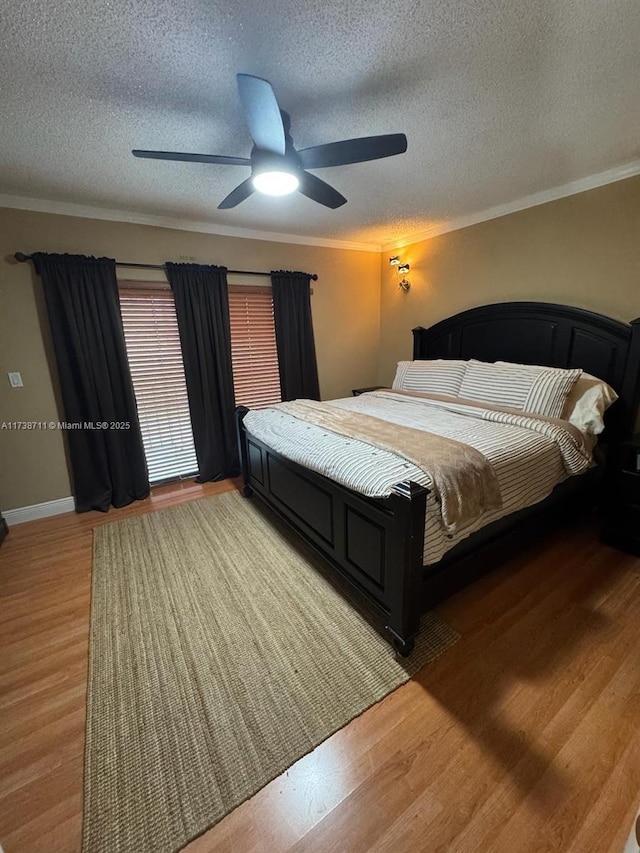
(464, 481)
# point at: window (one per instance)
(157, 371)
(256, 376)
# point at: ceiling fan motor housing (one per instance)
(268, 161)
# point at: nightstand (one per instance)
(357, 391)
(622, 515)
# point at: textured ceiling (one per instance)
(499, 99)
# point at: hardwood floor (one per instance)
(524, 737)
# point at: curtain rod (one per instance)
(22, 258)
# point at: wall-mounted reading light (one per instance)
(402, 270)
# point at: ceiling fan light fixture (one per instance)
(277, 167)
(276, 182)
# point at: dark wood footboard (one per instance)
(374, 544)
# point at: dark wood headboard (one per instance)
(544, 333)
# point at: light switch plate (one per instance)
(15, 380)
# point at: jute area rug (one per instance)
(218, 657)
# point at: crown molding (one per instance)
(591, 182)
(65, 208)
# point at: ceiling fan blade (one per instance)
(262, 113)
(192, 158)
(353, 151)
(319, 191)
(241, 192)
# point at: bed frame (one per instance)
(374, 547)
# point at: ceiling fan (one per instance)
(276, 167)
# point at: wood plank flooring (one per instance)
(524, 738)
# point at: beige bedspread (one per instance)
(464, 481)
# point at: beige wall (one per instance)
(583, 250)
(345, 307)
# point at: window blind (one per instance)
(157, 371)
(256, 376)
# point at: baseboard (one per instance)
(43, 510)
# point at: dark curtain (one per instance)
(202, 308)
(294, 335)
(108, 464)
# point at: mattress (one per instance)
(529, 457)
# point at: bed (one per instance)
(379, 549)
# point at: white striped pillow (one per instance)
(439, 376)
(528, 387)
